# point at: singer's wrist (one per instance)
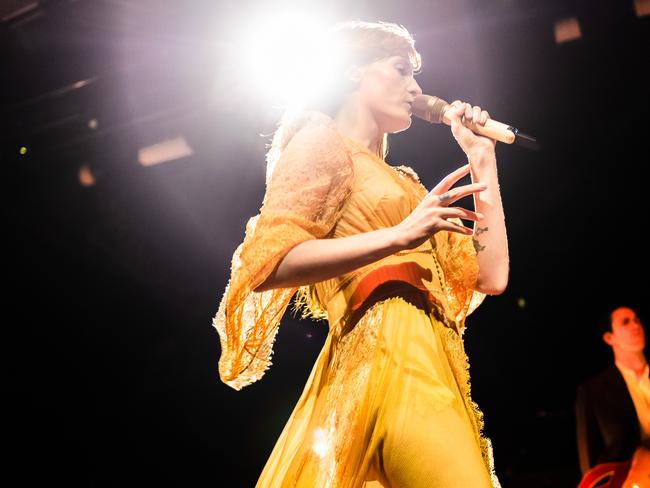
(482, 158)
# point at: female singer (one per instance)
(390, 266)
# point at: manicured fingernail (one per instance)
(480, 215)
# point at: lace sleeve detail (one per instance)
(304, 198)
(457, 257)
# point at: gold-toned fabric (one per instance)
(303, 200)
(378, 352)
(639, 388)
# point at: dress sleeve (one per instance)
(457, 256)
(304, 198)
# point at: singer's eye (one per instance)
(403, 70)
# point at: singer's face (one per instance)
(386, 88)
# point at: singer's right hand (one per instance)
(431, 215)
(463, 117)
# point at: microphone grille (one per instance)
(429, 108)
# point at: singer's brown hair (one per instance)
(365, 42)
(362, 43)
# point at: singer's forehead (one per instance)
(400, 57)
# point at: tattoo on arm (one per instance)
(477, 245)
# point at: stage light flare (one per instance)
(642, 7)
(567, 29)
(86, 176)
(164, 151)
(289, 58)
(320, 444)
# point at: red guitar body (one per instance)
(606, 475)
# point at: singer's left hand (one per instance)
(464, 116)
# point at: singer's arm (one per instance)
(320, 259)
(490, 239)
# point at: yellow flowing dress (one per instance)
(387, 403)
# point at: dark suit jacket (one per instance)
(606, 421)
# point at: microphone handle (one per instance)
(492, 129)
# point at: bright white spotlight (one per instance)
(289, 58)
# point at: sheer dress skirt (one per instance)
(387, 405)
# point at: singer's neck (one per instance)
(356, 122)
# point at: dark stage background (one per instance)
(110, 353)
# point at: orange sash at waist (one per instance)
(419, 269)
(409, 272)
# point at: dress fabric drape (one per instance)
(388, 400)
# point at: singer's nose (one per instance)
(414, 89)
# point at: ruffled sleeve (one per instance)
(457, 257)
(304, 199)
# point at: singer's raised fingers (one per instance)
(451, 196)
(450, 180)
(461, 213)
(453, 227)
